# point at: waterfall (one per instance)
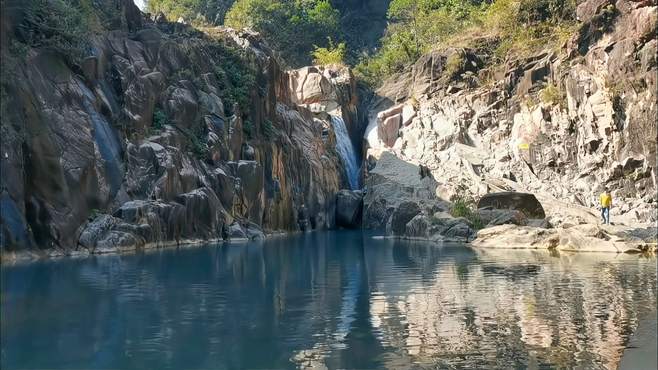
(346, 151)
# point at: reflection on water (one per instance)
(325, 300)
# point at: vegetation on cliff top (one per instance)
(292, 28)
(313, 31)
(500, 28)
(310, 31)
(295, 29)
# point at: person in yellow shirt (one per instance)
(606, 203)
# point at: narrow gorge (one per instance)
(158, 133)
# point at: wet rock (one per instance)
(459, 231)
(392, 182)
(236, 231)
(349, 205)
(418, 227)
(401, 216)
(251, 178)
(453, 229)
(224, 187)
(254, 232)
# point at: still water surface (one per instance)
(324, 300)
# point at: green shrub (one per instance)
(463, 207)
(62, 25)
(551, 94)
(199, 148)
(159, 119)
(513, 28)
(332, 54)
(454, 64)
(248, 129)
(397, 52)
(290, 27)
(236, 77)
(269, 131)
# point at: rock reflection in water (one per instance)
(498, 309)
(324, 300)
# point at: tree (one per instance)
(332, 54)
(292, 27)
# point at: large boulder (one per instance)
(509, 216)
(388, 124)
(349, 204)
(524, 202)
(404, 213)
(390, 183)
(418, 227)
(453, 229)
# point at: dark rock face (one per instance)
(349, 206)
(142, 144)
(512, 217)
(418, 227)
(523, 202)
(493, 217)
(447, 229)
(458, 229)
(401, 216)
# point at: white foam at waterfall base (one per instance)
(346, 151)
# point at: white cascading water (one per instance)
(346, 151)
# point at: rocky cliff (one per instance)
(157, 134)
(560, 123)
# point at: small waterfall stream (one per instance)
(346, 151)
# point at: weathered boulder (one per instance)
(237, 231)
(523, 202)
(254, 232)
(392, 182)
(349, 206)
(514, 217)
(388, 129)
(418, 227)
(460, 230)
(401, 216)
(454, 229)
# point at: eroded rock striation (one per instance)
(560, 124)
(161, 134)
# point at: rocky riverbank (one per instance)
(402, 202)
(559, 125)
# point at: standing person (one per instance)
(606, 203)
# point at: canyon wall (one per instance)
(158, 134)
(561, 124)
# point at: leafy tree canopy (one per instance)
(292, 27)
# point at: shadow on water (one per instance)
(332, 299)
